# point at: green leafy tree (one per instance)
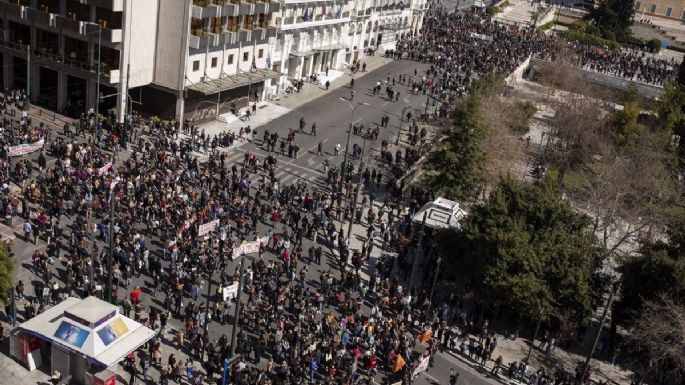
(528, 250)
(614, 18)
(658, 270)
(626, 127)
(6, 269)
(455, 169)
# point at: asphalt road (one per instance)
(332, 113)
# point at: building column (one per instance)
(180, 110)
(91, 97)
(62, 95)
(8, 71)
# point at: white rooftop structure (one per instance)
(91, 327)
(441, 214)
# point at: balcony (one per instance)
(13, 10)
(206, 12)
(68, 24)
(112, 5)
(247, 8)
(290, 23)
(41, 18)
(200, 42)
(108, 35)
(230, 9)
(228, 38)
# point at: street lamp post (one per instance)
(110, 258)
(586, 365)
(399, 131)
(435, 281)
(236, 314)
(97, 90)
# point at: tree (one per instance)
(614, 18)
(455, 169)
(658, 270)
(6, 270)
(526, 249)
(658, 336)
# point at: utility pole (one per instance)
(236, 314)
(110, 258)
(28, 73)
(418, 252)
(435, 281)
(399, 132)
(126, 106)
(354, 201)
(586, 365)
(97, 87)
(207, 303)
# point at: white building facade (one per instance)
(186, 59)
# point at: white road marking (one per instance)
(386, 103)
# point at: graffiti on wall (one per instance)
(205, 110)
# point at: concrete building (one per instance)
(185, 59)
(315, 35)
(311, 38)
(670, 9)
(172, 56)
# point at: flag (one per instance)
(398, 364)
(424, 336)
(268, 62)
(254, 62)
(306, 15)
(338, 15)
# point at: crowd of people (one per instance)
(469, 45)
(356, 323)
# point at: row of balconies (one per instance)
(233, 9)
(293, 22)
(230, 37)
(46, 20)
(62, 61)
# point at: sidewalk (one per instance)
(284, 103)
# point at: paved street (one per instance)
(333, 114)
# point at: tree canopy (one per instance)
(6, 269)
(454, 169)
(526, 249)
(658, 270)
(614, 18)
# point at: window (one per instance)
(246, 56)
(260, 53)
(637, 5)
(230, 59)
(682, 17)
(214, 60)
(196, 65)
(652, 9)
(669, 10)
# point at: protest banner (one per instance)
(103, 170)
(207, 227)
(230, 291)
(422, 367)
(26, 148)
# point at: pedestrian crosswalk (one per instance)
(287, 172)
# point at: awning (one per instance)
(300, 53)
(332, 47)
(213, 86)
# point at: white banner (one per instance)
(103, 170)
(423, 366)
(27, 148)
(230, 292)
(207, 227)
(249, 247)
